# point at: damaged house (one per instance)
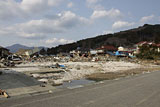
(4, 52)
(27, 53)
(107, 49)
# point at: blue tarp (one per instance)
(110, 53)
(121, 53)
(62, 66)
(117, 53)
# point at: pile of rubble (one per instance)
(10, 61)
(6, 63)
(55, 74)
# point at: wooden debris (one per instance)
(2, 92)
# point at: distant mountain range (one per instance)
(123, 38)
(14, 48)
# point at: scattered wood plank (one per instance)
(2, 92)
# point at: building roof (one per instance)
(145, 42)
(3, 48)
(141, 43)
(158, 45)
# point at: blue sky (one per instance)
(53, 22)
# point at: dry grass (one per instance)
(119, 74)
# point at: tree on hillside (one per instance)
(148, 52)
(42, 51)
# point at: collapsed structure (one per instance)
(4, 52)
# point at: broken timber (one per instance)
(2, 92)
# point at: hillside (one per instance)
(123, 38)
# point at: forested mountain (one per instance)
(124, 38)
